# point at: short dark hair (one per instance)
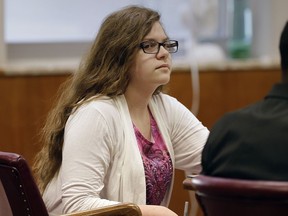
(283, 47)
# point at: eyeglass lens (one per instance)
(153, 47)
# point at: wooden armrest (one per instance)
(187, 183)
(121, 209)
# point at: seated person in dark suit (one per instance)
(252, 143)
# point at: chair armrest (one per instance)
(187, 183)
(121, 209)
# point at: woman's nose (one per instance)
(162, 52)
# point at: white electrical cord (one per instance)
(195, 86)
(195, 83)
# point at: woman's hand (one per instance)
(154, 210)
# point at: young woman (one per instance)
(114, 136)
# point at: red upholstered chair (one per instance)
(19, 186)
(235, 197)
(20, 196)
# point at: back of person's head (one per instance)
(283, 47)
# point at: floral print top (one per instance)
(157, 164)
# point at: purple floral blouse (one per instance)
(157, 164)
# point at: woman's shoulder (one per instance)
(102, 103)
(166, 101)
(165, 98)
(103, 107)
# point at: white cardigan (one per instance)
(102, 164)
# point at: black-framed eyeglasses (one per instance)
(153, 47)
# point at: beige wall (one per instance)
(279, 17)
(2, 44)
(270, 16)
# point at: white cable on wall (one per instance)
(195, 83)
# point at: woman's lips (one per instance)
(163, 66)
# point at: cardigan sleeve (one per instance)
(88, 150)
(186, 133)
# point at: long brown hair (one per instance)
(104, 71)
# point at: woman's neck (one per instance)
(139, 111)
